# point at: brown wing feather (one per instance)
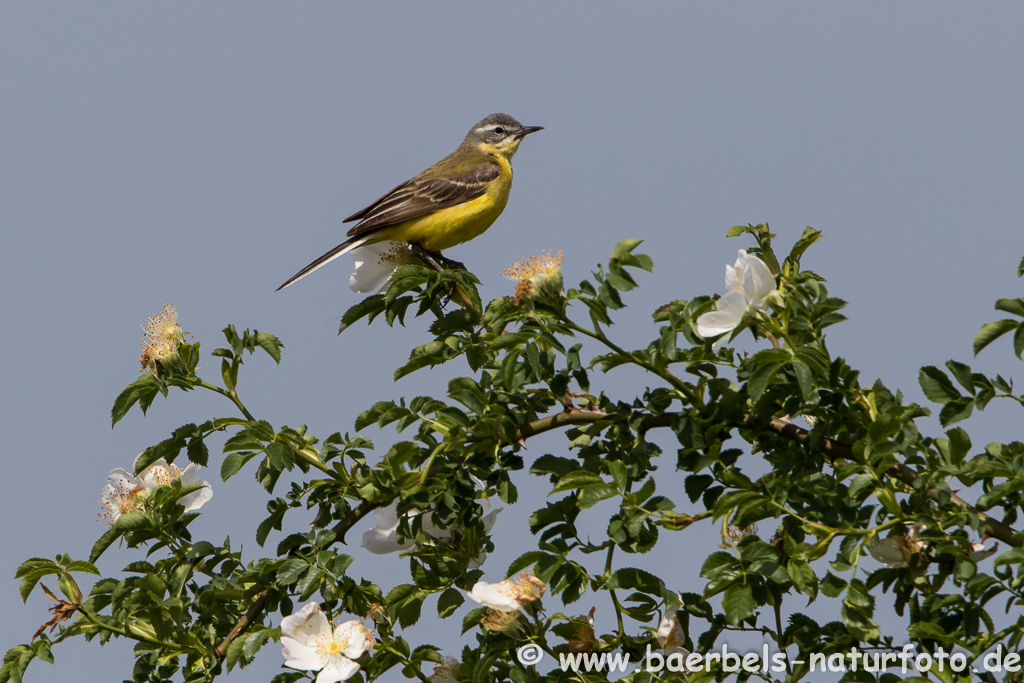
(421, 196)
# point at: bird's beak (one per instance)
(529, 129)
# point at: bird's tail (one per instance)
(339, 250)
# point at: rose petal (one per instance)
(730, 308)
(306, 624)
(499, 596)
(300, 656)
(337, 669)
(758, 281)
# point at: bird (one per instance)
(451, 202)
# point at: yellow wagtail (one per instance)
(451, 202)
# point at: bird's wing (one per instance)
(421, 196)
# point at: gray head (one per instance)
(500, 130)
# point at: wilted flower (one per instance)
(376, 263)
(538, 278)
(506, 599)
(383, 538)
(378, 614)
(122, 494)
(445, 672)
(732, 535)
(749, 284)
(511, 594)
(159, 473)
(583, 636)
(312, 643)
(125, 493)
(894, 551)
(979, 552)
(61, 611)
(163, 337)
(671, 636)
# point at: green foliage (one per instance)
(801, 511)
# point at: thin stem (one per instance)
(598, 334)
(430, 461)
(313, 460)
(231, 395)
(128, 634)
(611, 591)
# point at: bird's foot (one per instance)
(437, 260)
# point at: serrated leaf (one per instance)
(1014, 306)
(832, 586)
(143, 389)
(759, 379)
(738, 603)
(803, 578)
(959, 445)
(804, 380)
(955, 411)
(577, 479)
(992, 331)
(936, 385)
(591, 495)
(449, 601)
(271, 344)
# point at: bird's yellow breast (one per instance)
(446, 228)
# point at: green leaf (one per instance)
(271, 344)
(144, 390)
(371, 307)
(959, 445)
(1014, 306)
(591, 495)
(832, 586)
(104, 542)
(955, 411)
(759, 379)
(1011, 556)
(962, 374)
(449, 601)
(738, 603)
(134, 521)
(577, 479)
(525, 560)
(428, 355)
(809, 237)
(936, 385)
(805, 382)
(992, 331)
(803, 578)
(624, 247)
(291, 570)
(631, 578)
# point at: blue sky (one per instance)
(200, 154)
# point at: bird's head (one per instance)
(499, 134)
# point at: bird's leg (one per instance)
(432, 258)
(450, 263)
(437, 260)
(429, 256)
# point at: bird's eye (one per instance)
(499, 130)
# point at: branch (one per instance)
(829, 447)
(904, 473)
(250, 614)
